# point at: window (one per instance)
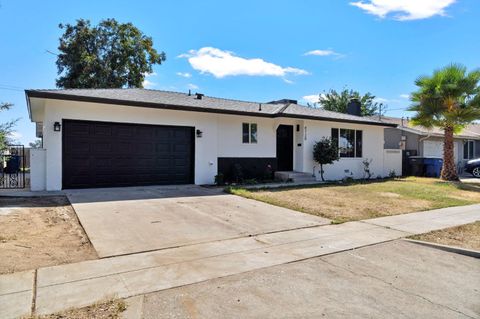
(249, 133)
(468, 149)
(349, 142)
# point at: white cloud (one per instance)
(381, 100)
(193, 86)
(404, 9)
(15, 136)
(221, 63)
(184, 74)
(147, 83)
(327, 52)
(405, 96)
(311, 98)
(288, 81)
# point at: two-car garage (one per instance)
(106, 154)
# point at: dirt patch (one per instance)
(40, 231)
(104, 310)
(465, 236)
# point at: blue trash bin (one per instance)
(433, 166)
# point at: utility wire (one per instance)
(11, 89)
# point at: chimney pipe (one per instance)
(354, 107)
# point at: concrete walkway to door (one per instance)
(129, 220)
(84, 283)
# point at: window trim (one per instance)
(250, 133)
(470, 150)
(337, 139)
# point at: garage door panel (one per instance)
(100, 154)
(79, 129)
(125, 131)
(101, 130)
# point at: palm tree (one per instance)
(450, 100)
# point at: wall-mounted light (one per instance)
(57, 126)
(199, 133)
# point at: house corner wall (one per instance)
(37, 169)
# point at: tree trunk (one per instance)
(449, 170)
(321, 172)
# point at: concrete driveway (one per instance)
(391, 280)
(129, 220)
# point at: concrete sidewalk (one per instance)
(397, 279)
(76, 285)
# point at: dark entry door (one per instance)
(285, 148)
(105, 154)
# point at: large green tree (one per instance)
(109, 55)
(338, 101)
(448, 99)
(6, 128)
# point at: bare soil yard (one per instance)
(357, 201)
(38, 232)
(465, 236)
(111, 309)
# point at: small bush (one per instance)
(219, 179)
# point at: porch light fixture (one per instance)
(199, 133)
(57, 126)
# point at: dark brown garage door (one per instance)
(104, 154)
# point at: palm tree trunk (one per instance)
(449, 170)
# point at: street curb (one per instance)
(134, 308)
(451, 249)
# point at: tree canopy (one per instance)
(6, 128)
(109, 55)
(325, 152)
(338, 101)
(448, 99)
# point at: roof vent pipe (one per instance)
(259, 107)
(189, 92)
(199, 96)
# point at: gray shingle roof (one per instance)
(471, 131)
(183, 101)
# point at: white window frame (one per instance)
(250, 133)
(354, 142)
(467, 144)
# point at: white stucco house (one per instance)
(124, 137)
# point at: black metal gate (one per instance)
(12, 167)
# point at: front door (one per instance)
(285, 148)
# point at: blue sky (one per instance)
(253, 50)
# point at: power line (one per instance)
(11, 86)
(11, 89)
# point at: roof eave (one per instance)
(69, 97)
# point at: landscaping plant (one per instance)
(448, 99)
(325, 152)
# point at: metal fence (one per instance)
(12, 166)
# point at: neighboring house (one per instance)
(124, 137)
(429, 142)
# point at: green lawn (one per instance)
(363, 200)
